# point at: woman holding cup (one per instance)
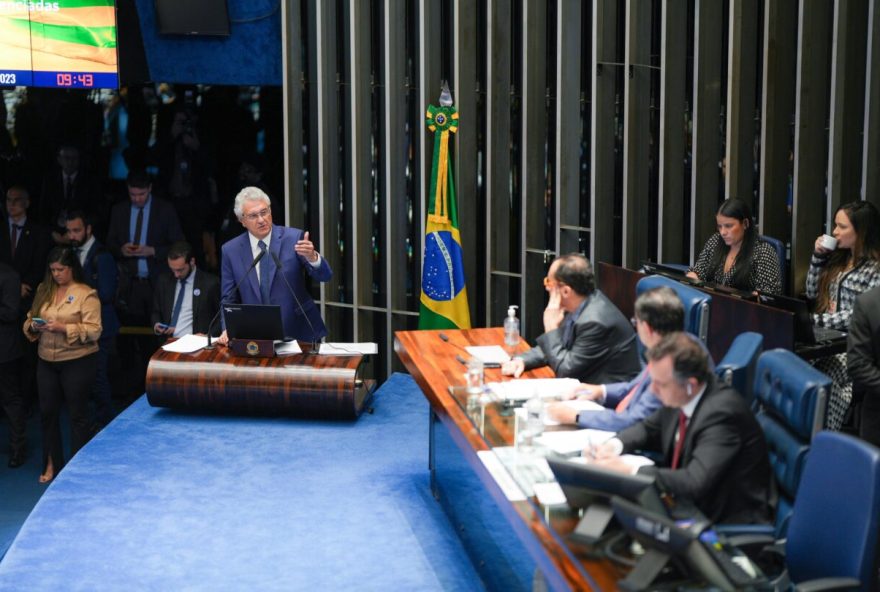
(843, 265)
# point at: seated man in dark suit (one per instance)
(186, 299)
(714, 455)
(658, 312)
(585, 335)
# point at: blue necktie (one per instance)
(567, 330)
(264, 274)
(178, 304)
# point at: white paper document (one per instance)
(576, 404)
(187, 344)
(488, 354)
(511, 490)
(633, 460)
(573, 441)
(287, 348)
(521, 389)
(549, 494)
(348, 349)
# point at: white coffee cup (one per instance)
(829, 242)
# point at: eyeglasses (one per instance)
(253, 217)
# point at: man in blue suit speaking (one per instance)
(267, 284)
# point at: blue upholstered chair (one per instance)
(833, 530)
(696, 303)
(790, 397)
(779, 247)
(834, 527)
(737, 368)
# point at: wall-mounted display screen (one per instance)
(58, 43)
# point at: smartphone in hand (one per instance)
(38, 321)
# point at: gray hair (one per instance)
(249, 194)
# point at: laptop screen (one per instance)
(253, 321)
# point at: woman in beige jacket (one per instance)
(66, 320)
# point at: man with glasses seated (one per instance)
(267, 283)
(658, 312)
(585, 335)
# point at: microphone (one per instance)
(299, 305)
(256, 260)
(445, 338)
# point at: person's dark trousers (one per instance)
(28, 376)
(102, 393)
(13, 405)
(69, 382)
(136, 349)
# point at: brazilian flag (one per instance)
(444, 303)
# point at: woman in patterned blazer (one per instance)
(834, 280)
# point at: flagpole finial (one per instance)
(445, 95)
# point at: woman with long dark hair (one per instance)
(736, 256)
(66, 320)
(835, 278)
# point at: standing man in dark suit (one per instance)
(267, 284)
(186, 299)
(585, 335)
(863, 363)
(10, 366)
(25, 245)
(141, 231)
(99, 269)
(714, 455)
(65, 189)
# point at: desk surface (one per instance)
(433, 364)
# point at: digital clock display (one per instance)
(58, 43)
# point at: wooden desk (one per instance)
(728, 315)
(217, 380)
(455, 442)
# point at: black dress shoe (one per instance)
(16, 460)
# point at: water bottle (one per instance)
(535, 415)
(511, 328)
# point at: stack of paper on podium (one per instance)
(576, 404)
(348, 349)
(522, 389)
(490, 355)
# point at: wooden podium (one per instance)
(305, 385)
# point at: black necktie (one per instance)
(68, 188)
(178, 304)
(13, 240)
(139, 226)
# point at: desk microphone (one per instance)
(232, 291)
(445, 338)
(299, 305)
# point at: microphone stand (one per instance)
(299, 305)
(256, 260)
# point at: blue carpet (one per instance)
(19, 489)
(161, 500)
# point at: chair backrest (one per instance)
(696, 303)
(779, 247)
(789, 398)
(737, 368)
(834, 527)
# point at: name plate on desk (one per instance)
(253, 348)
